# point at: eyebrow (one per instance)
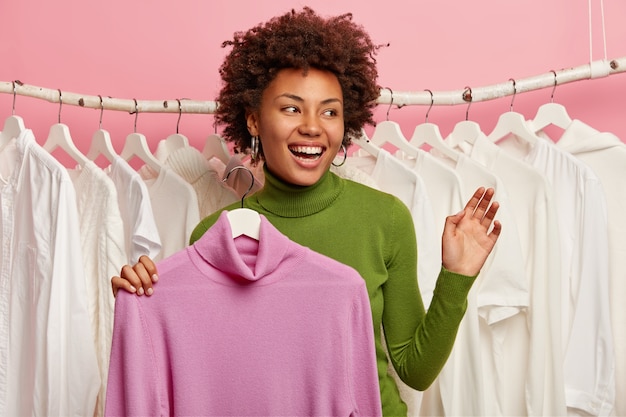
(300, 99)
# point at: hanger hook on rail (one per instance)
(60, 104)
(514, 93)
(101, 111)
(251, 179)
(180, 113)
(554, 87)
(14, 94)
(391, 103)
(136, 111)
(467, 96)
(432, 101)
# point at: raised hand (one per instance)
(470, 235)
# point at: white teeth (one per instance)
(309, 150)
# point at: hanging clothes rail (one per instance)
(595, 69)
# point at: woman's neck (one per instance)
(289, 200)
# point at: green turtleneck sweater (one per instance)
(373, 232)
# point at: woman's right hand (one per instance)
(136, 279)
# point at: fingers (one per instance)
(118, 283)
(497, 228)
(137, 278)
(482, 207)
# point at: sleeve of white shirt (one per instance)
(73, 378)
(589, 356)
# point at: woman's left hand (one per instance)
(470, 235)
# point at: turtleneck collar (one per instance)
(243, 260)
(288, 200)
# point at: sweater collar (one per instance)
(243, 259)
(288, 200)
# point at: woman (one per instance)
(296, 89)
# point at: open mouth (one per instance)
(307, 152)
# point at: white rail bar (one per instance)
(595, 69)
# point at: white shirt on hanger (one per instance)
(499, 293)
(529, 360)
(47, 353)
(175, 222)
(140, 230)
(605, 153)
(586, 332)
(103, 248)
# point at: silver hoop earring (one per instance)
(254, 148)
(345, 156)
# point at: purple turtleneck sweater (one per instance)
(245, 327)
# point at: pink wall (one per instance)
(167, 50)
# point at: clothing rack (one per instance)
(594, 69)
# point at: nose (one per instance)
(310, 125)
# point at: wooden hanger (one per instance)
(244, 221)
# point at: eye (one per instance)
(290, 109)
(330, 112)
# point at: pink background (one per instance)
(155, 50)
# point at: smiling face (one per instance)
(300, 124)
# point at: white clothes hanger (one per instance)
(59, 137)
(101, 142)
(137, 145)
(13, 125)
(364, 143)
(512, 123)
(428, 134)
(215, 146)
(177, 140)
(101, 145)
(465, 130)
(390, 132)
(244, 221)
(551, 114)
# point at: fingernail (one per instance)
(133, 289)
(155, 278)
(140, 292)
(150, 291)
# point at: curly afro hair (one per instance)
(297, 40)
